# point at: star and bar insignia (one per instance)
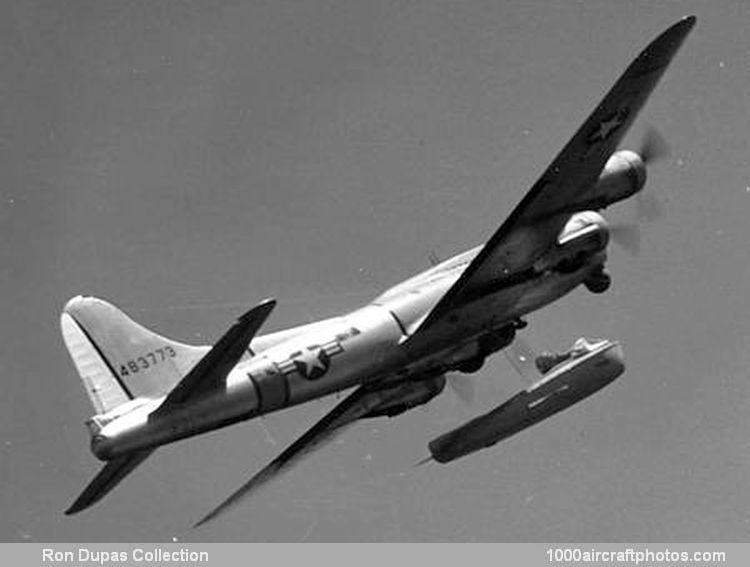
(314, 362)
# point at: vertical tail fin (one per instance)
(118, 359)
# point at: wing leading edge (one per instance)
(363, 402)
(213, 368)
(533, 226)
(352, 408)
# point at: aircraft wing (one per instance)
(355, 406)
(216, 364)
(534, 225)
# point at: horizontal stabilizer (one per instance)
(213, 368)
(110, 476)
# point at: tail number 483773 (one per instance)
(147, 360)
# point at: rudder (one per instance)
(118, 359)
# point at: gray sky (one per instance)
(187, 159)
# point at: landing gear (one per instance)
(598, 282)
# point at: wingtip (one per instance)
(684, 25)
(205, 519)
(264, 307)
(660, 52)
(75, 508)
(79, 505)
(681, 27)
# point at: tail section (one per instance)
(118, 359)
(122, 364)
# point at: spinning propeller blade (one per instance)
(653, 146)
(627, 236)
(522, 356)
(463, 386)
(648, 207)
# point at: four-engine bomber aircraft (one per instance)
(149, 390)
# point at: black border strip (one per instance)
(258, 392)
(399, 323)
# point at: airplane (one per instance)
(395, 351)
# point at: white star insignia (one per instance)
(314, 362)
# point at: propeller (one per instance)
(649, 208)
(463, 386)
(653, 146)
(522, 357)
(627, 236)
(519, 353)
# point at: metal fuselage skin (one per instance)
(304, 363)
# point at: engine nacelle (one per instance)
(623, 176)
(404, 396)
(585, 234)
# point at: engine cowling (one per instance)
(585, 234)
(398, 398)
(623, 175)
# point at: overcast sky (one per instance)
(187, 159)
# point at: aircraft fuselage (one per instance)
(335, 354)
